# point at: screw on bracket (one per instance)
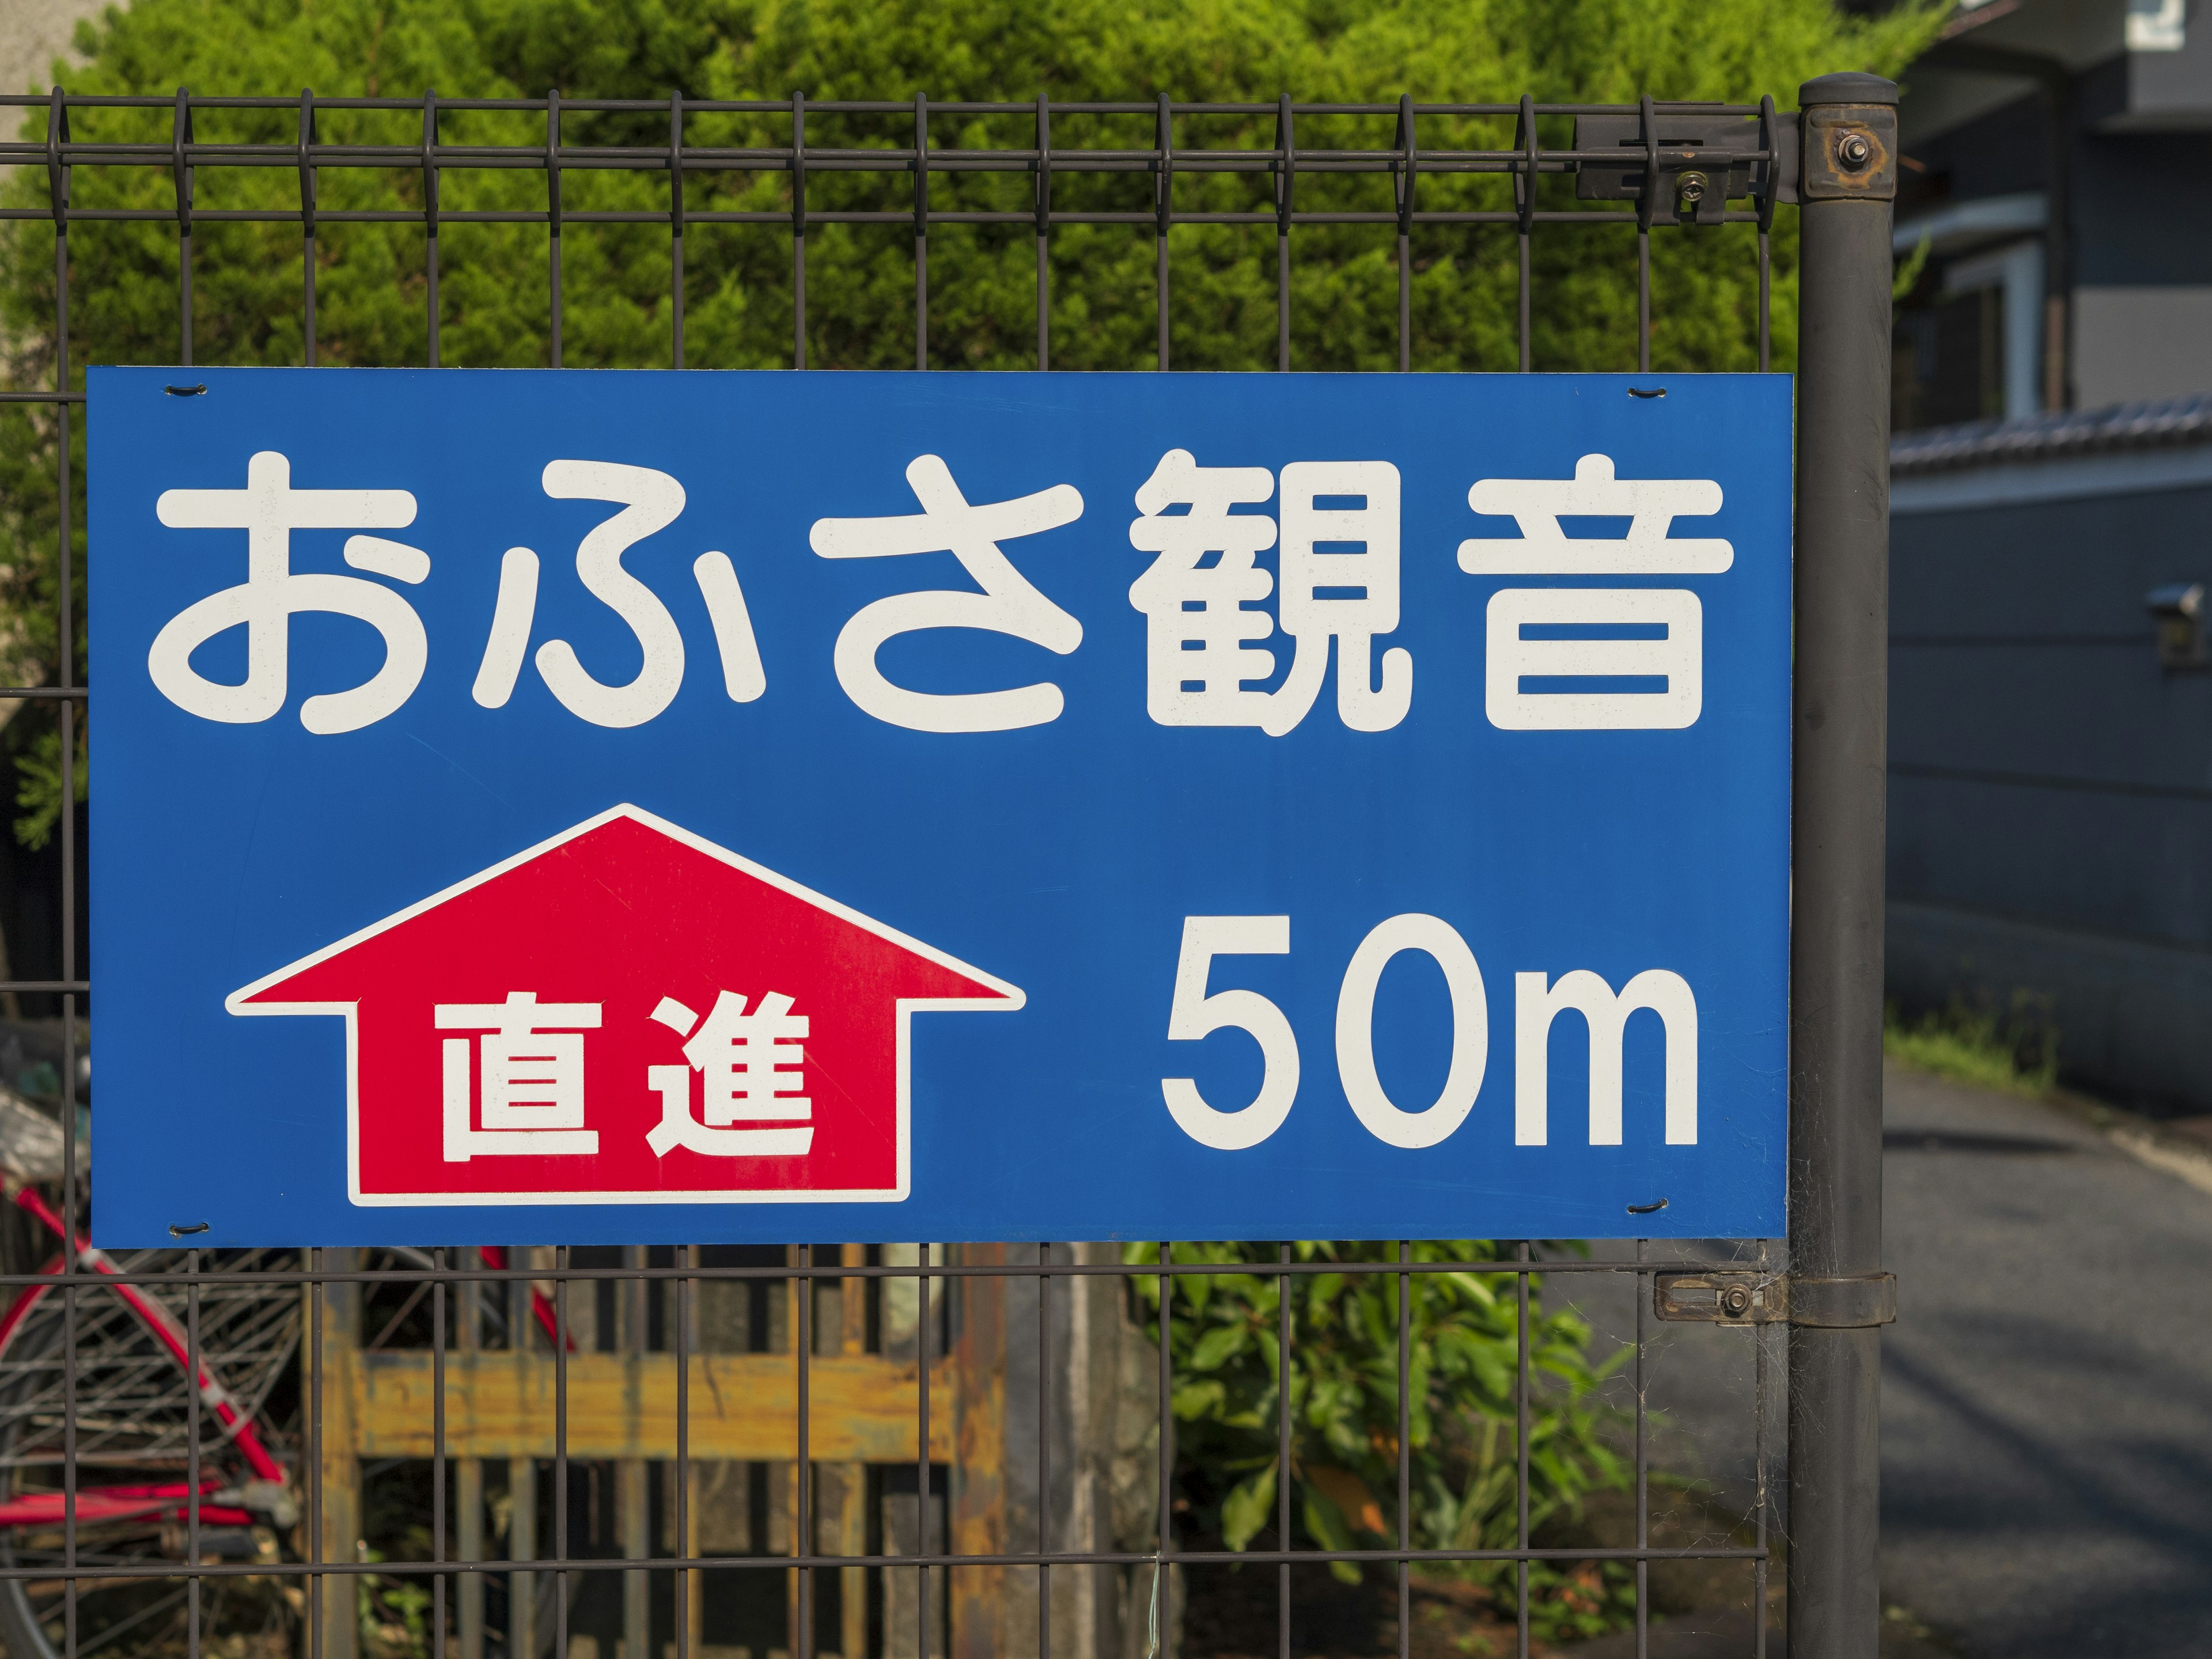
(1689, 189)
(1850, 154)
(1770, 1297)
(1721, 1298)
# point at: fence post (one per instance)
(341, 1459)
(979, 1491)
(1847, 184)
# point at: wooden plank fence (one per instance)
(379, 1404)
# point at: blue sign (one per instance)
(591, 807)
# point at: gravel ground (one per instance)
(2047, 1388)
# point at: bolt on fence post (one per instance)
(1847, 186)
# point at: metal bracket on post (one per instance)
(1703, 160)
(1754, 1298)
(1850, 154)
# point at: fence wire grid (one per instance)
(251, 1473)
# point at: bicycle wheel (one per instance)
(129, 1405)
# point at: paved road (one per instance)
(2047, 1388)
(2046, 1393)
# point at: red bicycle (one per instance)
(122, 1413)
(117, 1388)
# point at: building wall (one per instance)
(2050, 791)
(2142, 304)
(2139, 241)
(2143, 210)
(2136, 342)
(1998, 151)
(1969, 337)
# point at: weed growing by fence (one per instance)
(2015, 1050)
(1343, 1374)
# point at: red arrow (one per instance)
(626, 1013)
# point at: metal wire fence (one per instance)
(227, 1389)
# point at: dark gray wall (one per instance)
(2141, 202)
(1999, 153)
(2143, 210)
(2050, 795)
